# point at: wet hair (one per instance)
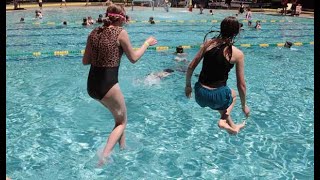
(114, 9)
(168, 70)
(21, 19)
(288, 44)
(179, 49)
(229, 29)
(64, 22)
(151, 20)
(84, 21)
(100, 15)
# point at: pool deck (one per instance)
(9, 7)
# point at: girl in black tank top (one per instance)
(211, 90)
(215, 68)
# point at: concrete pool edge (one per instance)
(9, 7)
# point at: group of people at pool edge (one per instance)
(87, 21)
(106, 45)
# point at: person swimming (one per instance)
(38, 14)
(181, 56)
(100, 19)
(151, 21)
(85, 22)
(258, 25)
(288, 44)
(155, 77)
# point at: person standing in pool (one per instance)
(241, 8)
(104, 49)
(249, 16)
(219, 56)
(40, 4)
(65, 3)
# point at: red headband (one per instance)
(117, 15)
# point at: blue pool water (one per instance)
(54, 129)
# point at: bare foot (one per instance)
(239, 127)
(103, 158)
(101, 162)
(223, 124)
(122, 147)
(232, 131)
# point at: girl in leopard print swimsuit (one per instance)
(104, 49)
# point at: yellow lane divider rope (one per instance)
(157, 48)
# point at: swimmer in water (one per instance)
(258, 25)
(288, 44)
(181, 56)
(85, 22)
(155, 77)
(151, 21)
(38, 14)
(100, 19)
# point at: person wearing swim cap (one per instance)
(219, 56)
(104, 49)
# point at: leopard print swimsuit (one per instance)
(105, 60)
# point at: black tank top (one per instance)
(215, 68)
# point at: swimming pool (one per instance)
(54, 129)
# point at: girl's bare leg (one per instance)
(114, 101)
(226, 121)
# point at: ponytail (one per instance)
(106, 21)
(218, 41)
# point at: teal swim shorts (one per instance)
(217, 99)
